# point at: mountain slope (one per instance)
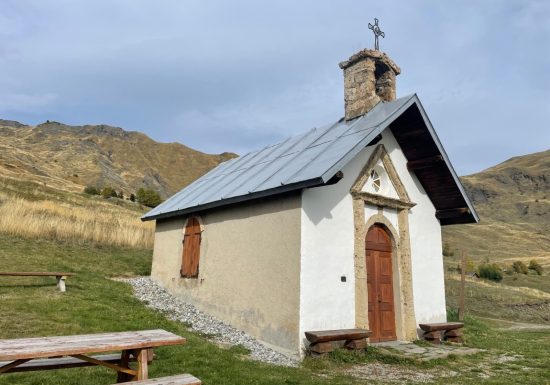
(71, 157)
(513, 201)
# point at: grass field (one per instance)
(95, 303)
(32, 210)
(521, 303)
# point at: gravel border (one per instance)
(156, 297)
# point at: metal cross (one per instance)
(377, 32)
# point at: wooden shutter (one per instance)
(191, 249)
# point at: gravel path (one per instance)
(159, 299)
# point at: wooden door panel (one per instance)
(381, 311)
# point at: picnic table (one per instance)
(73, 351)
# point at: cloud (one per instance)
(235, 76)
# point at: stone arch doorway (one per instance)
(381, 310)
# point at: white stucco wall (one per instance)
(425, 237)
(328, 253)
(327, 248)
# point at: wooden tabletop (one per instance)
(37, 273)
(42, 347)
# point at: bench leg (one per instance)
(61, 283)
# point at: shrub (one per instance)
(520, 267)
(534, 265)
(132, 197)
(120, 195)
(91, 190)
(490, 271)
(148, 197)
(470, 267)
(447, 251)
(108, 192)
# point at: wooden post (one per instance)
(462, 284)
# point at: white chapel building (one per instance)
(336, 228)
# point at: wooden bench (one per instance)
(68, 362)
(181, 379)
(60, 276)
(442, 331)
(325, 341)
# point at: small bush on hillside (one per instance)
(148, 197)
(520, 267)
(447, 251)
(132, 197)
(536, 267)
(470, 267)
(490, 271)
(91, 190)
(108, 192)
(120, 195)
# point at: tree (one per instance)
(148, 197)
(91, 190)
(132, 197)
(108, 192)
(534, 265)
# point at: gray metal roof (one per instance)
(306, 160)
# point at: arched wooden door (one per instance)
(378, 252)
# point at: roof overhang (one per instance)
(415, 134)
(430, 163)
(239, 199)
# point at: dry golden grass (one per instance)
(503, 290)
(71, 217)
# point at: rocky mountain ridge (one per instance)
(513, 202)
(72, 157)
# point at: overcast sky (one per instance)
(235, 76)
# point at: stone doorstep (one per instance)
(424, 353)
(405, 349)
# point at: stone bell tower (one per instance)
(369, 77)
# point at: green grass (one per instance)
(94, 303)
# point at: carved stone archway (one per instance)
(402, 274)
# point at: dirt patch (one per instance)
(397, 374)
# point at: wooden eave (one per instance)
(429, 162)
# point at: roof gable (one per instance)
(306, 160)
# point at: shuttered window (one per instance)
(191, 249)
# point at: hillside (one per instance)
(71, 157)
(513, 201)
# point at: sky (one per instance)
(239, 75)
